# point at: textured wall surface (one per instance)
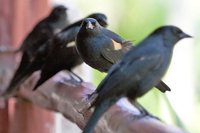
(17, 17)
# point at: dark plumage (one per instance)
(100, 48)
(139, 70)
(65, 59)
(44, 30)
(62, 57)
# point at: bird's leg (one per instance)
(143, 111)
(78, 77)
(73, 78)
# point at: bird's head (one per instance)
(59, 11)
(90, 25)
(171, 34)
(100, 17)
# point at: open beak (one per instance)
(89, 26)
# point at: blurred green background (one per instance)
(134, 20)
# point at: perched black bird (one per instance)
(62, 57)
(100, 48)
(44, 30)
(57, 46)
(65, 59)
(139, 70)
(69, 33)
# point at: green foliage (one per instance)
(140, 18)
(150, 100)
(98, 76)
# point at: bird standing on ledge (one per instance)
(139, 70)
(100, 48)
(43, 31)
(62, 57)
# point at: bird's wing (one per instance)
(113, 51)
(38, 36)
(68, 35)
(126, 72)
(112, 35)
(105, 87)
(116, 37)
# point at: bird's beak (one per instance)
(184, 35)
(89, 26)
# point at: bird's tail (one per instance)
(98, 112)
(39, 82)
(15, 83)
(162, 87)
(44, 76)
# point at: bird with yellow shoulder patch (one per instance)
(100, 48)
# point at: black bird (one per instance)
(62, 57)
(66, 59)
(139, 70)
(100, 48)
(44, 30)
(54, 47)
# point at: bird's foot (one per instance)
(72, 81)
(138, 116)
(74, 76)
(145, 113)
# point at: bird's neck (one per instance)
(85, 33)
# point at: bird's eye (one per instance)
(177, 31)
(93, 23)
